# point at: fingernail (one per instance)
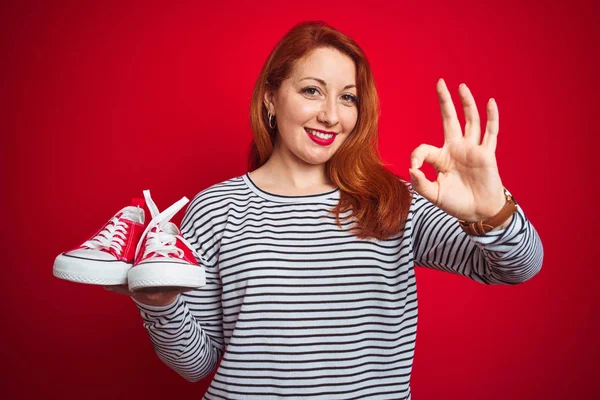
(413, 162)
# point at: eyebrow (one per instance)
(322, 82)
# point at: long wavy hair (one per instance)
(377, 198)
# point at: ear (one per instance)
(269, 102)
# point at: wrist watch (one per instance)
(480, 228)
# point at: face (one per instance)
(316, 106)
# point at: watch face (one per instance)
(509, 196)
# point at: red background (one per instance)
(100, 100)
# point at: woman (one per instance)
(310, 256)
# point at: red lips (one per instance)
(318, 140)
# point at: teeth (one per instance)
(325, 136)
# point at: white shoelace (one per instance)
(111, 237)
(163, 240)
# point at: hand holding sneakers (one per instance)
(157, 259)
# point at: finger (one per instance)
(492, 126)
(426, 188)
(425, 153)
(473, 124)
(449, 118)
(156, 299)
(168, 290)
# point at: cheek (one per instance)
(297, 110)
(305, 111)
(349, 119)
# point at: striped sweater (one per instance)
(296, 307)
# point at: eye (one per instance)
(350, 98)
(310, 90)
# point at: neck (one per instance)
(285, 170)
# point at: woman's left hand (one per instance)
(468, 184)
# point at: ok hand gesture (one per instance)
(468, 184)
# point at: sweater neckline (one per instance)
(310, 198)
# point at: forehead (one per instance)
(331, 65)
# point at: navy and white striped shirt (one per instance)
(301, 309)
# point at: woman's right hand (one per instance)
(159, 296)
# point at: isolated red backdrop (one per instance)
(100, 100)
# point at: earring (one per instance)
(271, 118)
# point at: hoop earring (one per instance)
(271, 118)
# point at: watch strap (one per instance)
(480, 228)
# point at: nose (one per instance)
(329, 113)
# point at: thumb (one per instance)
(424, 186)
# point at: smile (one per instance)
(320, 135)
(320, 138)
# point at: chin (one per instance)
(317, 162)
(317, 159)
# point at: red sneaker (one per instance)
(163, 258)
(107, 257)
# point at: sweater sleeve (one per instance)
(508, 256)
(188, 334)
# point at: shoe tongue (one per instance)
(134, 214)
(170, 228)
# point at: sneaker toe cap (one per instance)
(94, 254)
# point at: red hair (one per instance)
(378, 199)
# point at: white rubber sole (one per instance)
(90, 271)
(164, 273)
